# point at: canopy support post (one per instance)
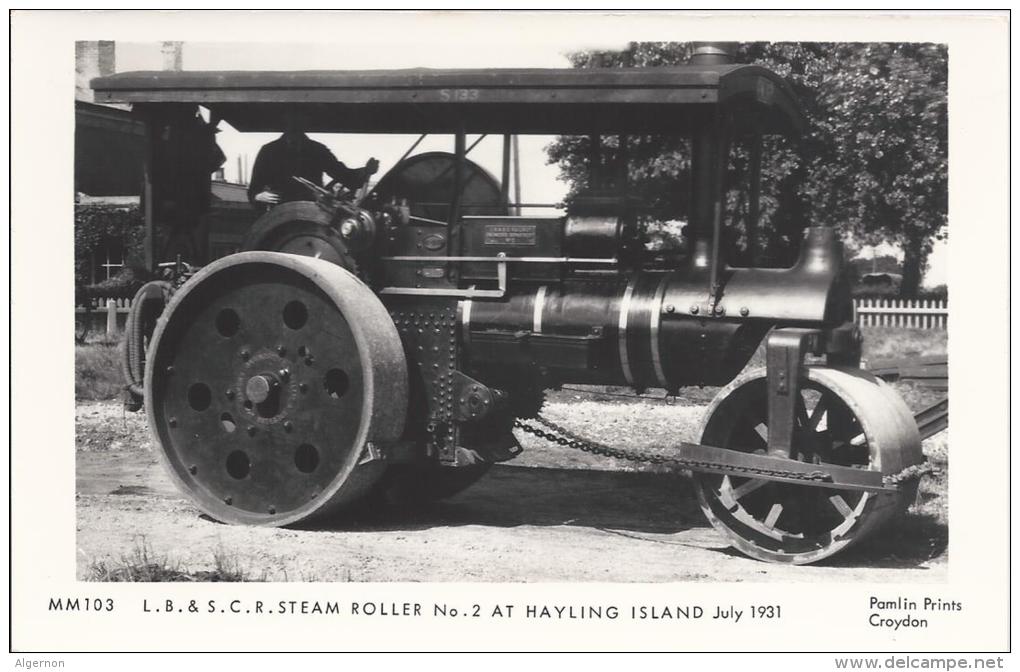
(504, 182)
(517, 175)
(147, 205)
(453, 223)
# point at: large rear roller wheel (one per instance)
(844, 416)
(269, 374)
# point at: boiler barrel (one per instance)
(613, 332)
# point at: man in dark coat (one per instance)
(294, 153)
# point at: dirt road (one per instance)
(548, 516)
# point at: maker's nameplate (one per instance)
(510, 234)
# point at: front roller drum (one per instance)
(845, 417)
(269, 375)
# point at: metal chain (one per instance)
(564, 437)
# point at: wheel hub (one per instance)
(266, 387)
(261, 387)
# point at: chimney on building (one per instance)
(172, 56)
(92, 59)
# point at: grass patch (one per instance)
(97, 371)
(897, 342)
(143, 566)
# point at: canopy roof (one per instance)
(548, 101)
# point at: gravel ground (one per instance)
(552, 514)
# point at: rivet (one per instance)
(280, 350)
(231, 394)
(670, 308)
(170, 370)
(719, 310)
(694, 309)
(288, 426)
(245, 355)
(284, 374)
(251, 431)
(744, 311)
(228, 500)
(272, 509)
(172, 422)
(303, 387)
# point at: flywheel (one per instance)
(269, 376)
(298, 227)
(845, 417)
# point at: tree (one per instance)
(873, 160)
(98, 224)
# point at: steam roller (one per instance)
(348, 353)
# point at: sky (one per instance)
(540, 182)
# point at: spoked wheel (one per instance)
(845, 417)
(269, 373)
(299, 227)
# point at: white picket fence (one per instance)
(911, 313)
(112, 311)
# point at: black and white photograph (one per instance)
(642, 327)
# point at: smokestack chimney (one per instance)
(172, 56)
(92, 59)
(713, 53)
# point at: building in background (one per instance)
(109, 158)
